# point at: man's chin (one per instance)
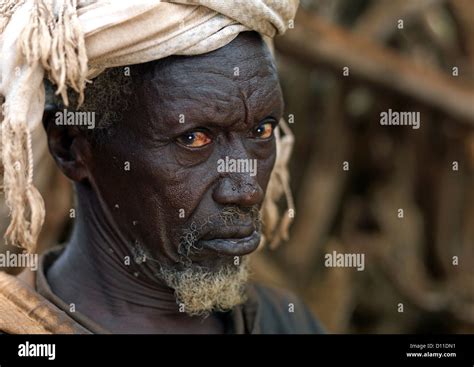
(201, 291)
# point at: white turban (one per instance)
(71, 41)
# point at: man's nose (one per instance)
(238, 189)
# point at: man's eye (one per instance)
(264, 130)
(195, 139)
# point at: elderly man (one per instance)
(163, 226)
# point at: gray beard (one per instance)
(200, 291)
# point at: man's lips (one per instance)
(234, 231)
(232, 246)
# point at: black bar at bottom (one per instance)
(318, 350)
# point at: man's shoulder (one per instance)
(282, 312)
(25, 311)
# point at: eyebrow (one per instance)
(221, 122)
(211, 109)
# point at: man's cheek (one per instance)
(182, 198)
(264, 170)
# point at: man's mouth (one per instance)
(231, 245)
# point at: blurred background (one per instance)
(343, 63)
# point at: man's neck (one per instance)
(97, 273)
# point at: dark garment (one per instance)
(266, 311)
(280, 312)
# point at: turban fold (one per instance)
(72, 41)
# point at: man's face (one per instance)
(186, 171)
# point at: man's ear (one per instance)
(67, 144)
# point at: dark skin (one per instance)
(173, 171)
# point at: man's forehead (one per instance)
(220, 85)
(246, 57)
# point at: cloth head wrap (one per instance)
(71, 41)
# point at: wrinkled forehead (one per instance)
(239, 76)
(244, 58)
